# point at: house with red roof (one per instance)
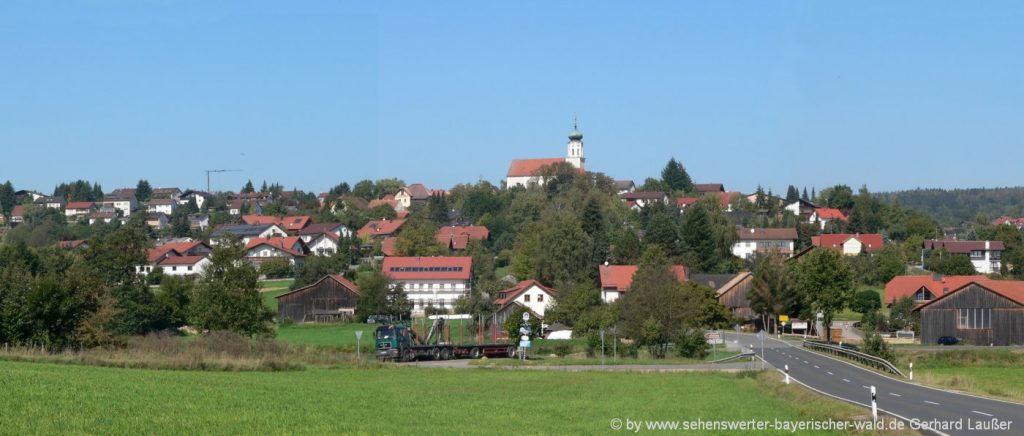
(291, 248)
(18, 214)
(184, 265)
(684, 202)
(387, 200)
(824, 215)
(924, 288)
(616, 279)
(456, 238)
(332, 298)
(380, 229)
(986, 256)
(523, 172)
(387, 246)
(982, 312)
(156, 255)
(850, 244)
(431, 281)
(79, 209)
(529, 294)
(1006, 220)
(291, 224)
(412, 194)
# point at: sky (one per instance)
(894, 95)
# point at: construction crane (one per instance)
(215, 171)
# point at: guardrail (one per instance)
(734, 357)
(866, 359)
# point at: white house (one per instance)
(157, 220)
(51, 202)
(643, 198)
(184, 265)
(245, 232)
(260, 250)
(78, 209)
(156, 257)
(522, 172)
(752, 241)
(824, 215)
(162, 205)
(986, 256)
(801, 207)
(199, 221)
(200, 197)
(322, 244)
(123, 201)
(530, 294)
(850, 244)
(412, 194)
(431, 281)
(616, 279)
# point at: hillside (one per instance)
(951, 207)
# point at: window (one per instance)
(923, 295)
(974, 319)
(174, 268)
(977, 254)
(190, 268)
(540, 298)
(526, 298)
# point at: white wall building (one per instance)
(431, 281)
(752, 241)
(523, 172)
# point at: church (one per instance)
(522, 172)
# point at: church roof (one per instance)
(531, 167)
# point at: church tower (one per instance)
(575, 155)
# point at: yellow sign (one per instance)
(783, 318)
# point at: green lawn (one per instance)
(343, 336)
(990, 372)
(272, 288)
(61, 399)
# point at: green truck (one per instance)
(398, 342)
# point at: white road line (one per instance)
(829, 372)
(895, 394)
(807, 363)
(817, 367)
(846, 380)
(981, 413)
(865, 386)
(932, 402)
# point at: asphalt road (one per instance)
(911, 402)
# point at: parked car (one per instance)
(948, 340)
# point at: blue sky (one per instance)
(896, 95)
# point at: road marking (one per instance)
(981, 413)
(895, 394)
(807, 363)
(932, 402)
(865, 386)
(817, 367)
(829, 372)
(846, 380)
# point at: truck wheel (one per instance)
(511, 352)
(444, 354)
(436, 353)
(474, 353)
(409, 356)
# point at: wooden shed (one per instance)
(983, 312)
(331, 298)
(731, 289)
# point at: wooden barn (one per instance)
(332, 298)
(731, 289)
(983, 312)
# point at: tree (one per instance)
(180, 226)
(7, 198)
(248, 188)
(174, 298)
(227, 296)
(949, 264)
(675, 178)
(699, 236)
(826, 282)
(263, 187)
(792, 195)
(771, 281)
(889, 263)
(437, 209)
(902, 315)
(866, 300)
(364, 189)
(379, 296)
(838, 196)
(55, 313)
(139, 312)
(573, 303)
(564, 250)
(661, 231)
(143, 190)
(419, 238)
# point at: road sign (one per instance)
(799, 325)
(524, 344)
(760, 334)
(359, 337)
(526, 316)
(783, 318)
(359, 334)
(713, 337)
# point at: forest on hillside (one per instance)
(954, 206)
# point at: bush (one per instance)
(876, 346)
(866, 301)
(692, 344)
(563, 348)
(277, 268)
(432, 310)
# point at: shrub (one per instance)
(692, 344)
(277, 268)
(876, 346)
(563, 348)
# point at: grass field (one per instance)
(341, 336)
(273, 288)
(52, 398)
(990, 372)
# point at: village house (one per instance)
(198, 221)
(239, 206)
(924, 288)
(157, 221)
(245, 232)
(1009, 221)
(199, 196)
(824, 215)
(801, 208)
(18, 214)
(412, 194)
(184, 265)
(431, 281)
(684, 202)
(387, 200)
(850, 244)
(456, 238)
(983, 312)
(732, 291)
(986, 256)
(50, 202)
(530, 294)
(702, 189)
(642, 199)
(624, 186)
(291, 224)
(616, 279)
(380, 229)
(79, 209)
(332, 298)
(760, 241)
(106, 217)
(160, 253)
(523, 172)
(161, 205)
(262, 250)
(122, 200)
(168, 193)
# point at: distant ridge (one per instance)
(954, 206)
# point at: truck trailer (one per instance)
(399, 342)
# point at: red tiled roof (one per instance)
(286, 244)
(459, 236)
(429, 268)
(708, 187)
(182, 260)
(1010, 289)
(18, 211)
(683, 202)
(294, 223)
(963, 247)
(531, 167)
(724, 198)
(387, 199)
(513, 292)
(872, 241)
(902, 286)
(766, 234)
(179, 249)
(387, 246)
(260, 219)
(620, 277)
(828, 213)
(380, 228)
(79, 205)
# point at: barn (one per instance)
(332, 298)
(982, 312)
(731, 289)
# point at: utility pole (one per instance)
(215, 171)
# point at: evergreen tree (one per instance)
(7, 198)
(792, 195)
(248, 188)
(804, 196)
(699, 238)
(771, 282)
(97, 192)
(661, 231)
(143, 191)
(437, 209)
(675, 178)
(263, 187)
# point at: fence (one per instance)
(865, 359)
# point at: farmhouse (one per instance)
(412, 194)
(262, 250)
(522, 172)
(159, 254)
(331, 298)
(731, 289)
(456, 238)
(924, 288)
(530, 294)
(616, 279)
(824, 215)
(759, 241)
(79, 209)
(184, 265)
(801, 207)
(982, 312)
(850, 244)
(51, 202)
(986, 256)
(122, 200)
(161, 205)
(431, 281)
